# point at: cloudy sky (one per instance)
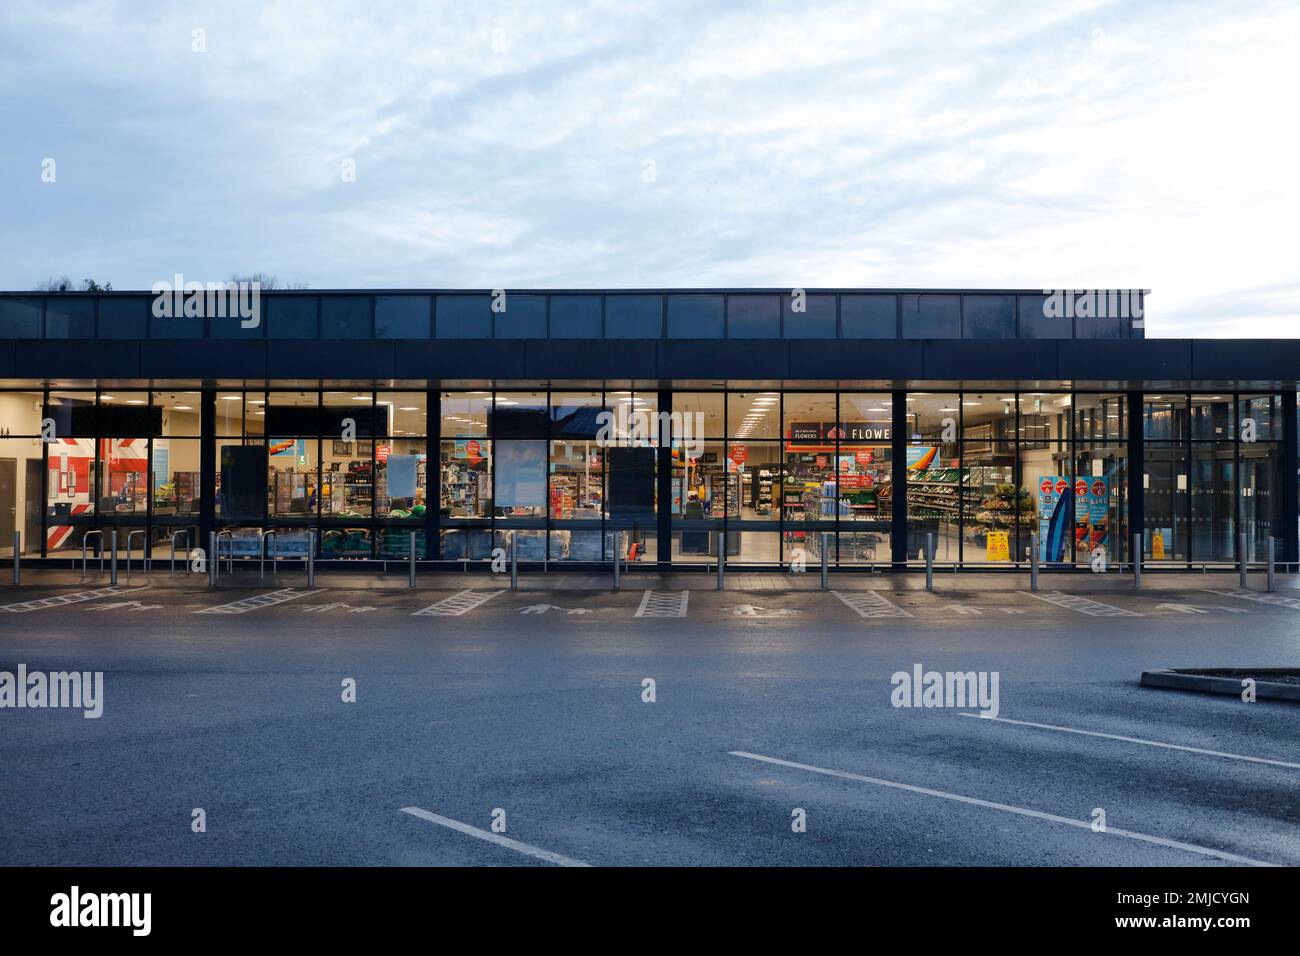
(678, 144)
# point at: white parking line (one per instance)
(271, 598)
(465, 828)
(1083, 605)
(458, 604)
(1139, 740)
(1277, 600)
(870, 604)
(664, 604)
(60, 600)
(1008, 808)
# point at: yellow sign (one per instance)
(1157, 545)
(997, 548)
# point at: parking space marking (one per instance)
(664, 604)
(871, 604)
(1083, 605)
(1276, 600)
(1008, 808)
(1138, 740)
(271, 598)
(60, 600)
(458, 604)
(465, 828)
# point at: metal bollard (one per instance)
(1137, 561)
(514, 560)
(1241, 555)
(112, 559)
(311, 558)
(929, 560)
(618, 540)
(410, 583)
(826, 561)
(722, 559)
(18, 550)
(1033, 561)
(1272, 564)
(212, 560)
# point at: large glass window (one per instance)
(816, 319)
(1212, 475)
(524, 317)
(869, 316)
(753, 316)
(988, 317)
(69, 317)
(21, 470)
(464, 317)
(865, 480)
(695, 317)
(576, 317)
(345, 317)
(290, 316)
(633, 316)
(20, 318)
(402, 316)
(124, 317)
(931, 316)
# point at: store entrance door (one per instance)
(32, 497)
(8, 503)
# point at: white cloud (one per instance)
(936, 144)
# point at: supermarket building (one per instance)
(875, 416)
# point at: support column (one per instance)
(664, 479)
(1136, 472)
(208, 465)
(1285, 521)
(433, 472)
(898, 480)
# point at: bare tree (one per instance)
(267, 282)
(64, 284)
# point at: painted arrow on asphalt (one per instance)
(121, 605)
(543, 608)
(754, 610)
(1182, 608)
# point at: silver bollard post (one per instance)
(929, 560)
(410, 583)
(618, 540)
(722, 559)
(112, 560)
(212, 560)
(311, 558)
(1137, 561)
(514, 560)
(1272, 564)
(1033, 561)
(826, 560)
(1241, 555)
(18, 550)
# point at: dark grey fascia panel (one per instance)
(713, 358)
(835, 359)
(329, 358)
(72, 358)
(1232, 359)
(972, 359)
(1103, 360)
(197, 358)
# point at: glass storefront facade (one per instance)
(868, 473)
